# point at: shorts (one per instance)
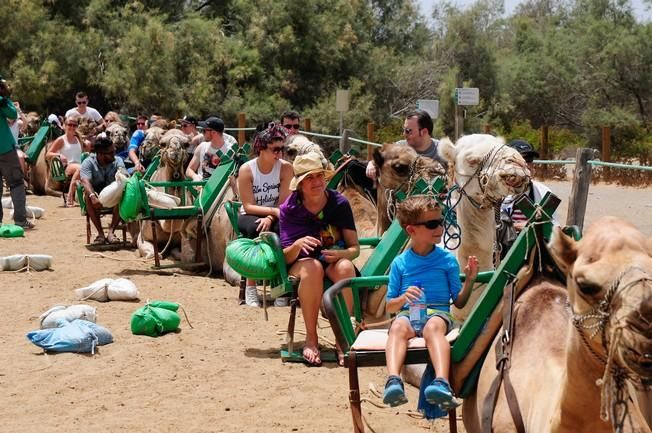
(430, 312)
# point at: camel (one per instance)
(300, 145)
(588, 341)
(31, 125)
(399, 167)
(118, 135)
(151, 144)
(485, 171)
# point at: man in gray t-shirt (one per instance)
(417, 130)
(96, 173)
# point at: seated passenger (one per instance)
(263, 183)
(136, 140)
(97, 172)
(206, 159)
(68, 148)
(319, 239)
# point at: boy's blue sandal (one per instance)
(394, 392)
(439, 392)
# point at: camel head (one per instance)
(398, 165)
(609, 282)
(32, 124)
(150, 147)
(118, 135)
(296, 145)
(173, 146)
(485, 168)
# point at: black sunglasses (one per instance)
(277, 149)
(430, 224)
(291, 126)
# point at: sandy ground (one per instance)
(225, 375)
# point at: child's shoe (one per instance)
(439, 392)
(394, 392)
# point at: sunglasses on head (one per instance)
(430, 224)
(291, 126)
(277, 149)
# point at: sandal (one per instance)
(99, 240)
(311, 356)
(112, 239)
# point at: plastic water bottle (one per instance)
(418, 310)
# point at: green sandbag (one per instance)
(11, 231)
(155, 318)
(252, 258)
(132, 200)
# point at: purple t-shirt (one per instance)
(296, 221)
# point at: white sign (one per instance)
(430, 106)
(467, 96)
(342, 100)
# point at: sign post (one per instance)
(342, 104)
(463, 96)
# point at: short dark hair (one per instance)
(102, 144)
(423, 119)
(292, 115)
(81, 95)
(410, 210)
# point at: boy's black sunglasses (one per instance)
(430, 224)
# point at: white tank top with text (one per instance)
(267, 186)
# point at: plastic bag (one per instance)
(78, 336)
(110, 196)
(108, 289)
(155, 318)
(11, 231)
(252, 258)
(132, 199)
(54, 315)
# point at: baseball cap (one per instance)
(214, 123)
(189, 119)
(524, 148)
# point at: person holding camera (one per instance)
(9, 162)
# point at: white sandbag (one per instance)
(110, 196)
(108, 289)
(162, 200)
(145, 248)
(7, 203)
(36, 262)
(122, 290)
(39, 262)
(51, 318)
(32, 212)
(14, 263)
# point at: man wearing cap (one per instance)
(417, 130)
(206, 157)
(83, 110)
(136, 140)
(509, 214)
(9, 162)
(189, 127)
(96, 173)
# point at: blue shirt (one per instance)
(438, 272)
(137, 139)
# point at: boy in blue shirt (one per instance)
(437, 271)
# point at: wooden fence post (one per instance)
(486, 128)
(371, 136)
(543, 141)
(605, 133)
(580, 188)
(306, 124)
(242, 122)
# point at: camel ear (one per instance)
(563, 249)
(446, 149)
(378, 158)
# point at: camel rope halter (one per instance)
(613, 399)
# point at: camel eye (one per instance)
(401, 169)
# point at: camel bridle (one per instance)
(614, 401)
(176, 165)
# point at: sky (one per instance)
(640, 12)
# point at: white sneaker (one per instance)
(282, 301)
(251, 296)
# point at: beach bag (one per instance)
(110, 196)
(54, 315)
(252, 258)
(132, 200)
(78, 336)
(108, 289)
(155, 318)
(11, 231)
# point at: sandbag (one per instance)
(78, 336)
(252, 258)
(108, 289)
(110, 196)
(51, 318)
(132, 201)
(161, 200)
(7, 203)
(33, 212)
(36, 262)
(155, 318)
(11, 231)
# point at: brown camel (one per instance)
(579, 353)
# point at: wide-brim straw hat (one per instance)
(307, 164)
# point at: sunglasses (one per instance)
(140, 123)
(82, 102)
(407, 130)
(430, 224)
(183, 125)
(291, 126)
(277, 149)
(72, 124)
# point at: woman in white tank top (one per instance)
(68, 149)
(263, 184)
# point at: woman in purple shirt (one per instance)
(319, 240)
